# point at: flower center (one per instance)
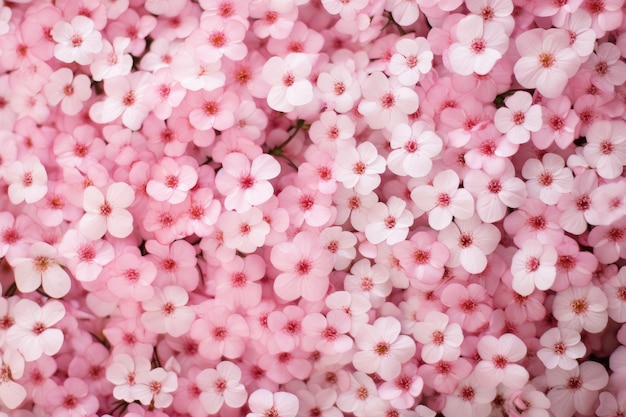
(532, 264)
(545, 178)
(559, 348)
(478, 45)
(86, 253)
(421, 256)
(606, 147)
(499, 361)
(465, 240)
(546, 60)
(288, 79)
(579, 306)
(387, 101)
(217, 39)
(411, 61)
(359, 168)
(303, 267)
(76, 40)
(329, 333)
(41, 263)
(438, 337)
(339, 88)
(390, 222)
(246, 181)
(467, 393)
(220, 333)
(38, 328)
(168, 308)
(519, 117)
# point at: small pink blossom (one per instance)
(108, 213)
(27, 180)
(441, 339)
(561, 348)
(497, 365)
(77, 41)
(41, 268)
(287, 76)
(519, 118)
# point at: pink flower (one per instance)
(155, 387)
(547, 62)
(122, 372)
(576, 390)
(382, 349)
(386, 103)
(166, 311)
(615, 291)
(112, 61)
(467, 306)
(236, 281)
(480, 45)
(413, 58)
(497, 365)
(606, 148)
(444, 200)
(360, 168)
(32, 334)
(340, 88)
(534, 265)
(41, 268)
(246, 183)
(212, 110)
(219, 332)
(305, 266)
(27, 180)
(217, 37)
(422, 258)
(72, 399)
(85, 257)
(441, 339)
(264, 403)
(12, 394)
(579, 308)
(131, 276)
(548, 179)
(519, 118)
(372, 281)
(471, 398)
(69, 90)
(388, 222)
(171, 180)
(327, 333)
(413, 149)
(77, 41)
(287, 76)
(561, 348)
(221, 386)
(470, 241)
(108, 213)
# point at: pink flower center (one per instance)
(131, 275)
(70, 402)
(68, 89)
(467, 393)
(238, 280)
(339, 88)
(487, 13)
(583, 203)
(168, 309)
(556, 123)
(86, 253)
(106, 209)
(5, 374)
(519, 117)
(438, 337)
(243, 76)
(478, 45)
(76, 40)
(325, 173)
(575, 382)
(354, 203)
(390, 222)
(270, 17)
(387, 101)
(96, 371)
(10, 236)
(306, 202)
(559, 348)
(545, 178)
(6, 322)
(367, 284)
(615, 234)
(443, 367)
(220, 333)
(359, 168)
(488, 148)
(594, 6)
(465, 240)
(499, 361)
(621, 293)
(361, 393)
(38, 328)
(411, 61)
(494, 186)
(537, 222)
(315, 412)
(333, 246)
(169, 265)
(226, 9)
(566, 262)
(421, 256)
(602, 68)
(246, 181)
(220, 385)
(155, 386)
(292, 327)
(333, 133)
(164, 91)
(244, 228)
(166, 219)
(41, 263)
(390, 412)
(27, 179)
(579, 306)
(288, 79)
(532, 264)
(443, 200)
(329, 333)
(303, 267)
(468, 305)
(295, 47)
(210, 108)
(129, 99)
(217, 39)
(411, 146)
(171, 181)
(546, 60)
(606, 147)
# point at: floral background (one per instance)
(281, 208)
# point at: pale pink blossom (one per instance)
(155, 387)
(480, 44)
(386, 103)
(77, 41)
(519, 118)
(547, 61)
(360, 168)
(41, 268)
(413, 149)
(69, 90)
(340, 88)
(533, 266)
(498, 361)
(606, 148)
(547, 179)
(172, 180)
(246, 183)
(112, 61)
(122, 372)
(167, 312)
(27, 180)
(85, 257)
(107, 214)
(575, 390)
(264, 403)
(388, 222)
(221, 386)
(561, 348)
(382, 349)
(471, 398)
(444, 200)
(441, 339)
(581, 308)
(12, 394)
(413, 59)
(288, 78)
(32, 334)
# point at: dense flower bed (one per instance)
(281, 208)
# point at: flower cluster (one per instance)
(294, 208)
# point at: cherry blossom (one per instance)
(27, 180)
(287, 76)
(77, 41)
(107, 213)
(41, 268)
